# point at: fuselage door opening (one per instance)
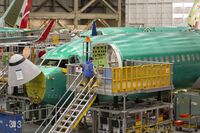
(104, 56)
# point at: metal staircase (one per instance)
(3, 79)
(71, 116)
(79, 106)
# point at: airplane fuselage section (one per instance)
(180, 48)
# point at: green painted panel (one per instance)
(55, 84)
(121, 30)
(182, 48)
(155, 46)
(100, 57)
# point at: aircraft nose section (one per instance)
(21, 71)
(48, 87)
(36, 88)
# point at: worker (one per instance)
(89, 71)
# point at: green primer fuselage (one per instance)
(118, 30)
(55, 86)
(180, 48)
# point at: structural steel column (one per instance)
(124, 113)
(76, 14)
(94, 121)
(5, 5)
(119, 13)
(53, 2)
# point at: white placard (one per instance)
(19, 74)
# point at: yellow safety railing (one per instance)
(132, 78)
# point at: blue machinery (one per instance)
(10, 123)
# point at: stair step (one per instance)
(75, 110)
(79, 105)
(84, 100)
(83, 97)
(69, 115)
(72, 113)
(62, 127)
(83, 94)
(69, 121)
(67, 124)
(57, 132)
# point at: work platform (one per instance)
(126, 115)
(136, 77)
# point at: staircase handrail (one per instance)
(80, 104)
(2, 76)
(71, 104)
(6, 83)
(56, 106)
(5, 69)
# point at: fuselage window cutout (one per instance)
(188, 57)
(177, 58)
(197, 56)
(156, 59)
(172, 59)
(63, 63)
(74, 59)
(161, 59)
(192, 56)
(50, 62)
(167, 58)
(183, 58)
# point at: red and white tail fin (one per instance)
(194, 15)
(46, 32)
(24, 20)
(13, 15)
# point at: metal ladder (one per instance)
(79, 106)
